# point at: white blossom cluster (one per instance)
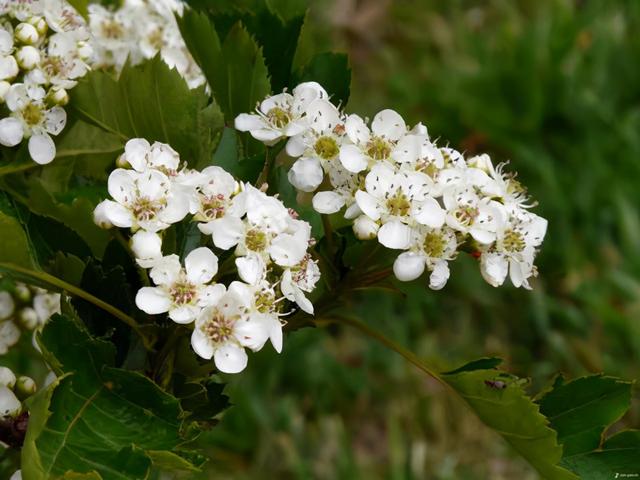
(24, 308)
(44, 50)
(139, 30)
(399, 186)
(12, 390)
(269, 247)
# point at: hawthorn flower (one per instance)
(281, 115)
(214, 193)
(142, 156)
(222, 331)
(370, 145)
(432, 250)
(468, 213)
(31, 118)
(142, 200)
(45, 304)
(514, 251)
(183, 292)
(299, 280)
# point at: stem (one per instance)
(264, 174)
(8, 169)
(78, 292)
(328, 232)
(373, 333)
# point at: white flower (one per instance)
(223, 330)
(46, 304)
(282, 115)
(371, 145)
(514, 251)
(214, 193)
(8, 65)
(299, 279)
(467, 212)
(31, 118)
(159, 156)
(10, 406)
(432, 249)
(7, 377)
(147, 247)
(143, 200)
(182, 292)
(9, 335)
(7, 305)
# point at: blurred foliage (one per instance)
(551, 86)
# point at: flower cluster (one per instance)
(44, 50)
(12, 390)
(23, 308)
(138, 30)
(269, 247)
(399, 186)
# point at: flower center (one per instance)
(218, 328)
(466, 215)
(398, 204)
(378, 148)
(32, 114)
(112, 29)
(513, 241)
(326, 147)
(434, 244)
(145, 209)
(514, 187)
(256, 240)
(213, 206)
(264, 301)
(278, 117)
(427, 167)
(182, 293)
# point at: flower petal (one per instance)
(42, 149)
(352, 158)
(184, 314)
(389, 124)
(408, 266)
(429, 213)
(439, 275)
(395, 235)
(153, 300)
(201, 344)
(251, 268)
(201, 265)
(226, 232)
(55, 120)
(246, 122)
(230, 358)
(135, 152)
(11, 131)
(306, 174)
(327, 202)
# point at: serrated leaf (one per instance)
(509, 411)
(150, 101)
(15, 243)
(581, 410)
(99, 418)
(331, 70)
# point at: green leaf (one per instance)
(227, 157)
(582, 409)
(150, 101)
(331, 70)
(620, 454)
(15, 243)
(99, 418)
(508, 410)
(81, 6)
(235, 69)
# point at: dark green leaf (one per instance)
(480, 364)
(98, 418)
(331, 70)
(148, 101)
(582, 409)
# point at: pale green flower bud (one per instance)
(28, 318)
(40, 24)
(58, 96)
(7, 377)
(10, 406)
(25, 387)
(28, 57)
(26, 33)
(22, 293)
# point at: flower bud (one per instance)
(9, 405)
(25, 387)
(146, 246)
(481, 162)
(364, 228)
(22, 293)
(7, 378)
(100, 217)
(58, 96)
(9, 67)
(46, 304)
(28, 57)
(40, 24)
(28, 318)
(4, 88)
(26, 33)
(7, 305)
(122, 162)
